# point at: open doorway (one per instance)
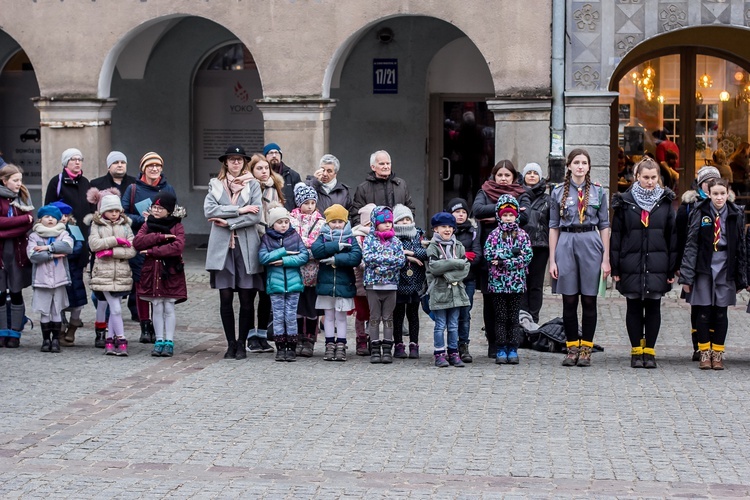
(462, 147)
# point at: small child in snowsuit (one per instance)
(447, 267)
(111, 240)
(383, 256)
(307, 221)
(48, 248)
(508, 252)
(339, 254)
(361, 306)
(283, 253)
(162, 240)
(467, 232)
(411, 282)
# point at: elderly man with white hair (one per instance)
(380, 187)
(324, 181)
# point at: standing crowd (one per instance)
(311, 253)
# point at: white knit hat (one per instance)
(275, 214)
(110, 202)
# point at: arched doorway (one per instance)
(695, 96)
(178, 94)
(20, 136)
(439, 73)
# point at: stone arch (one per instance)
(332, 75)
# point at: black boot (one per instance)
(375, 352)
(101, 334)
(280, 350)
(145, 337)
(387, 357)
(463, 352)
(151, 332)
(231, 349)
(55, 328)
(291, 346)
(241, 352)
(301, 330)
(46, 342)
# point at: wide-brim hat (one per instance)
(234, 151)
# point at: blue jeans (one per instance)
(447, 317)
(464, 317)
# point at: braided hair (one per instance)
(568, 175)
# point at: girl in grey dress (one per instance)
(579, 252)
(713, 268)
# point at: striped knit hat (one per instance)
(149, 159)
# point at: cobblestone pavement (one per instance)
(82, 425)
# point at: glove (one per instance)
(104, 253)
(471, 256)
(344, 246)
(516, 251)
(123, 242)
(328, 260)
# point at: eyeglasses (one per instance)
(273, 152)
(154, 167)
(77, 159)
(235, 159)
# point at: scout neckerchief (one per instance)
(717, 232)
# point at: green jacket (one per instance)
(445, 278)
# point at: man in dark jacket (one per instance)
(273, 154)
(116, 176)
(324, 182)
(380, 187)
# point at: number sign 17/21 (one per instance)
(385, 76)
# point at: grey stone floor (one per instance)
(82, 425)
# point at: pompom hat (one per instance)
(106, 199)
(303, 192)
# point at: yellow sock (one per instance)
(643, 342)
(649, 350)
(586, 343)
(573, 343)
(704, 347)
(636, 351)
(718, 348)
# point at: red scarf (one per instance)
(494, 190)
(146, 181)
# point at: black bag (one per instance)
(550, 337)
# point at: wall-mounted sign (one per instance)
(385, 76)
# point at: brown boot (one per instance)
(572, 357)
(69, 337)
(717, 360)
(705, 361)
(584, 356)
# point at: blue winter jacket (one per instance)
(275, 246)
(337, 280)
(142, 192)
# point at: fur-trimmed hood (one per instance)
(691, 196)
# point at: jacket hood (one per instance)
(692, 196)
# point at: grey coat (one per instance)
(217, 204)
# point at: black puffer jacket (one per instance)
(411, 286)
(643, 257)
(534, 215)
(382, 192)
(699, 248)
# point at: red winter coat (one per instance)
(15, 228)
(163, 273)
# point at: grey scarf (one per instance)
(645, 198)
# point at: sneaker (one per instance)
(121, 347)
(330, 353)
(413, 351)
(264, 345)
(168, 351)
(109, 346)
(253, 345)
(158, 349)
(455, 360)
(501, 357)
(400, 351)
(440, 360)
(512, 356)
(340, 352)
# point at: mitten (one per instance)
(471, 256)
(344, 246)
(123, 242)
(104, 253)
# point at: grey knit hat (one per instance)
(707, 173)
(401, 212)
(115, 156)
(68, 154)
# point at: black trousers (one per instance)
(531, 302)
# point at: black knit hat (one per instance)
(165, 200)
(457, 204)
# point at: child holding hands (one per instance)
(49, 244)
(508, 252)
(339, 254)
(111, 240)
